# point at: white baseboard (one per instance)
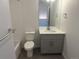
(17, 50)
(65, 56)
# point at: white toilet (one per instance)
(29, 44)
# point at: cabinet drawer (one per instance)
(51, 46)
(52, 36)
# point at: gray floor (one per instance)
(37, 55)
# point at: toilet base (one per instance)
(29, 53)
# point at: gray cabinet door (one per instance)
(51, 45)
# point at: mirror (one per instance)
(47, 12)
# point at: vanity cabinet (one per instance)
(52, 43)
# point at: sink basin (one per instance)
(49, 30)
(53, 30)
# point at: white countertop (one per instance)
(53, 30)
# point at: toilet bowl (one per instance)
(29, 44)
(29, 48)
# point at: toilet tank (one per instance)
(29, 36)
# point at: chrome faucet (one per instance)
(49, 4)
(48, 27)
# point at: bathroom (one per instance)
(52, 26)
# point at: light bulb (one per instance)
(50, 0)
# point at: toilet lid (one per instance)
(29, 45)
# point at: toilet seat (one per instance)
(29, 45)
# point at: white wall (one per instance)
(30, 14)
(24, 17)
(71, 26)
(17, 20)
